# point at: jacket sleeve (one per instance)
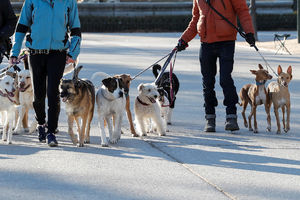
(242, 10)
(74, 49)
(191, 31)
(10, 20)
(23, 25)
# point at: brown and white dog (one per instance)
(79, 97)
(111, 102)
(126, 79)
(255, 95)
(279, 95)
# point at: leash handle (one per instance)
(165, 66)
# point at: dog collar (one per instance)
(261, 83)
(25, 88)
(6, 95)
(144, 104)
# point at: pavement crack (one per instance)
(187, 167)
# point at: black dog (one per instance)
(164, 83)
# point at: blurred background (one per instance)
(170, 15)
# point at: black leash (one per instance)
(165, 65)
(141, 72)
(243, 34)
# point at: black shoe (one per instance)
(210, 123)
(51, 140)
(42, 133)
(231, 123)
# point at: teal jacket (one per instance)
(49, 24)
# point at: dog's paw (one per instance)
(286, 130)
(278, 132)
(255, 131)
(87, 142)
(26, 130)
(269, 129)
(246, 125)
(114, 140)
(134, 135)
(104, 145)
(162, 134)
(169, 123)
(80, 145)
(250, 129)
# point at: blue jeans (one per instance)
(209, 52)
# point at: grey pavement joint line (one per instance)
(191, 170)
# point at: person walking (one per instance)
(53, 37)
(8, 22)
(218, 41)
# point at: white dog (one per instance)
(25, 99)
(111, 101)
(147, 108)
(8, 105)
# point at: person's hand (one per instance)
(250, 39)
(13, 60)
(181, 45)
(69, 60)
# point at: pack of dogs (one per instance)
(153, 105)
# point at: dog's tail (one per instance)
(103, 75)
(155, 69)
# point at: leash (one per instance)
(165, 66)
(141, 72)
(243, 34)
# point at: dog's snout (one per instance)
(22, 84)
(155, 96)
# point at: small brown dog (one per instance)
(279, 95)
(126, 79)
(79, 96)
(255, 94)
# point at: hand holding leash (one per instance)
(181, 45)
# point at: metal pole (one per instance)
(252, 9)
(298, 20)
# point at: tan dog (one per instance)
(255, 94)
(126, 79)
(279, 95)
(79, 96)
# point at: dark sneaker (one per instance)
(210, 123)
(51, 140)
(231, 123)
(42, 133)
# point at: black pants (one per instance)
(209, 53)
(46, 72)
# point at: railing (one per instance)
(160, 8)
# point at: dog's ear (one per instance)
(289, 71)
(253, 71)
(279, 70)
(107, 81)
(140, 87)
(260, 66)
(76, 72)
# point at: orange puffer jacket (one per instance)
(211, 27)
